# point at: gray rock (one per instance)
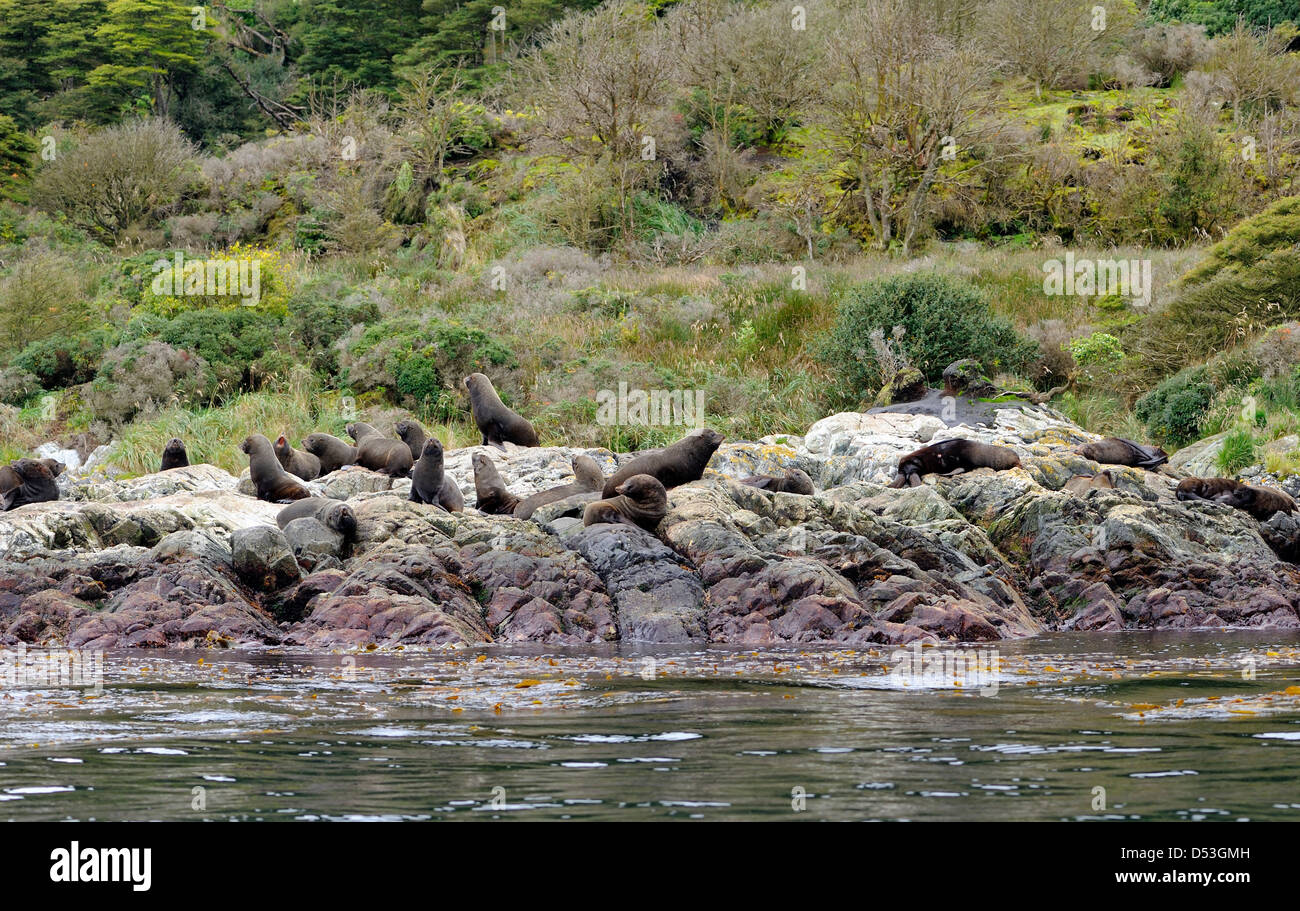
(263, 559)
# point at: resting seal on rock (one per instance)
(332, 452)
(1205, 488)
(411, 433)
(378, 453)
(497, 423)
(490, 490)
(678, 464)
(273, 483)
(1119, 451)
(1082, 483)
(588, 478)
(1260, 502)
(641, 501)
(303, 464)
(794, 480)
(331, 513)
(950, 457)
(26, 481)
(174, 455)
(429, 484)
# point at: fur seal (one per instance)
(495, 421)
(174, 455)
(1119, 451)
(794, 480)
(1260, 502)
(641, 501)
(54, 465)
(411, 433)
(331, 513)
(950, 457)
(1080, 484)
(1205, 488)
(588, 478)
(678, 464)
(490, 490)
(378, 453)
(303, 464)
(332, 452)
(429, 484)
(273, 483)
(26, 481)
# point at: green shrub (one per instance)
(944, 320)
(1277, 227)
(1238, 452)
(1173, 410)
(66, 360)
(236, 344)
(318, 323)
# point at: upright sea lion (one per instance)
(678, 464)
(1080, 484)
(1119, 451)
(273, 483)
(303, 464)
(331, 513)
(490, 490)
(412, 434)
(495, 421)
(794, 480)
(26, 481)
(332, 452)
(1205, 488)
(1260, 502)
(641, 500)
(379, 453)
(174, 455)
(950, 457)
(429, 484)
(588, 478)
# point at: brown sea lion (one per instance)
(54, 465)
(331, 513)
(332, 452)
(794, 480)
(1260, 502)
(174, 455)
(303, 464)
(1080, 484)
(1205, 488)
(26, 481)
(1119, 451)
(379, 453)
(951, 457)
(490, 490)
(495, 421)
(588, 478)
(411, 433)
(273, 483)
(429, 484)
(641, 500)
(678, 464)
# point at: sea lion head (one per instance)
(797, 481)
(342, 519)
(475, 379)
(404, 429)
(54, 465)
(588, 473)
(643, 489)
(432, 449)
(175, 446)
(481, 462)
(711, 436)
(313, 441)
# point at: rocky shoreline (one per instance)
(189, 557)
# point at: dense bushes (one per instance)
(943, 320)
(1173, 410)
(139, 376)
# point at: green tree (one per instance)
(152, 45)
(16, 150)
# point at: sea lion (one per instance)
(794, 480)
(412, 434)
(497, 423)
(174, 455)
(303, 464)
(1260, 502)
(951, 457)
(490, 490)
(1082, 483)
(1119, 451)
(379, 453)
(54, 465)
(641, 501)
(331, 513)
(673, 466)
(332, 452)
(273, 483)
(429, 484)
(26, 481)
(1205, 488)
(588, 478)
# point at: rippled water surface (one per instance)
(1170, 725)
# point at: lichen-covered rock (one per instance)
(315, 546)
(263, 559)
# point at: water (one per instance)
(1167, 723)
